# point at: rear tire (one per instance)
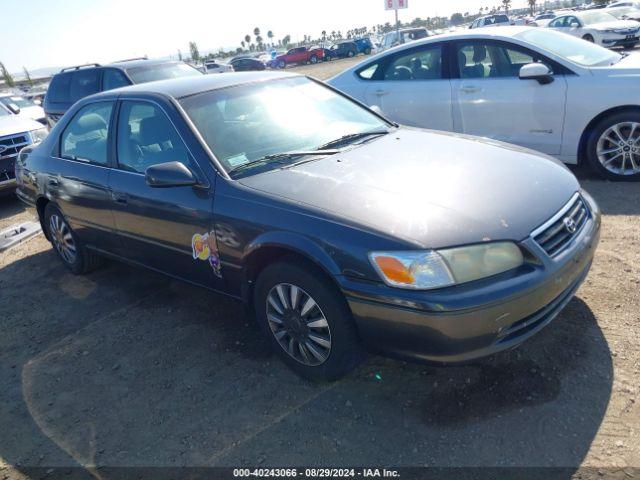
(313, 59)
(367, 51)
(613, 147)
(319, 344)
(350, 54)
(66, 243)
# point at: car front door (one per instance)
(166, 229)
(79, 184)
(412, 87)
(490, 100)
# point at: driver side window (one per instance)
(423, 64)
(146, 137)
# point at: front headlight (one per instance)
(39, 135)
(424, 270)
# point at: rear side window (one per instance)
(114, 78)
(83, 83)
(85, 137)
(146, 137)
(58, 91)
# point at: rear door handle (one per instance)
(381, 93)
(120, 197)
(469, 89)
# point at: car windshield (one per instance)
(619, 12)
(17, 100)
(163, 71)
(589, 18)
(574, 49)
(245, 123)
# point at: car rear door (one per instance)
(166, 229)
(80, 183)
(491, 101)
(412, 87)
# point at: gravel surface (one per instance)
(123, 367)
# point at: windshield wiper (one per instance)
(351, 137)
(280, 156)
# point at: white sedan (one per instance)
(598, 27)
(532, 87)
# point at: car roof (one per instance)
(141, 62)
(183, 87)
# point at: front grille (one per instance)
(12, 144)
(556, 236)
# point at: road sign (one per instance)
(395, 4)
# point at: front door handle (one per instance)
(381, 93)
(469, 89)
(120, 197)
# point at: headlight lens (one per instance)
(424, 270)
(39, 135)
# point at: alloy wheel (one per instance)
(618, 148)
(62, 238)
(298, 324)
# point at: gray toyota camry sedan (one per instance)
(342, 231)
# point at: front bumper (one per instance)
(615, 40)
(473, 320)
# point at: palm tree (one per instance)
(532, 6)
(270, 36)
(247, 39)
(259, 42)
(506, 4)
(242, 43)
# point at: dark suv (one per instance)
(74, 83)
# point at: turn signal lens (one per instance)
(394, 270)
(419, 270)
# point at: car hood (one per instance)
(35, 112)
(433, 189)
(12, 124)
(615, 24)
(629, 65)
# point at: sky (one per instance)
(44, 33)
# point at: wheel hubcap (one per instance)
(298, 324)
(62, 238)
(618, 148)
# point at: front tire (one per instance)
(307, 320)
(588, 38)
(313, 59)
(282, 64)
(66, 243)
(613, 147)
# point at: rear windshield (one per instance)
(163, 71)
(72, 86)
(496, 19)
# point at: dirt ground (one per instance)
(124, 367)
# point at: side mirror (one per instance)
(169, 174)
(536, 71)
(13, 108)
(574, 25)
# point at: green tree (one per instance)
(247, 39)
(270, 37)
(532, 6)
(506, 4)
(27, 76)
(256, 33)
(6, 76)
(457, 19)
(195, 53)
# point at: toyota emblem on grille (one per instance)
(3, 148)
(570, 224)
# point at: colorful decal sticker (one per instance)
(204, 248)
